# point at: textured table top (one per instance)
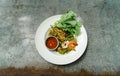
(19, 20)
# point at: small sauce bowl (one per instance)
(52, 43)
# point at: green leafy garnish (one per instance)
(69, 23)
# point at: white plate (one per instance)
(54, 57)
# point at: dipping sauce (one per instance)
(52, 43)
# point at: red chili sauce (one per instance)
(51, 42)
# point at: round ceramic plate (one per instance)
(55, 57)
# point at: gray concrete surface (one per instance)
(19, 20)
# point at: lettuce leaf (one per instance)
(69, 23)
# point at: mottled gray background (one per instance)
(19, 20)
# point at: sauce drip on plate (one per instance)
(51, 42)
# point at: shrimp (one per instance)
(72, 45)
